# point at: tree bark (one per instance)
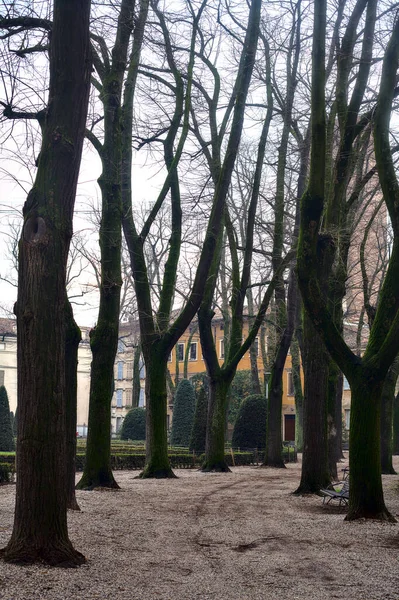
(40, 524)
(366, 499)
(136, 377)
(387, 400)
(157, 460)
(104, 337)
(315, 473)
(216, 424)
(334, 417)
(296, 378)
(395, 443)
(72, 339)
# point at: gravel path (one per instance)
(237, 536)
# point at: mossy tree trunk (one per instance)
(157, 460)
(155, 326)
(216, 425)
(387, 400)
(221, 377)
(40, 524)
(284, 326)
(366, 495)
(72, 339)
(104, 337)
(315, 472)
(365, 375)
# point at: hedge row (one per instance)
(177, 460)
(136, 460)
(7, 472)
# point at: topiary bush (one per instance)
(198, 433)
(240, 389)
(133, 426)
(250, 427)
(183, 414)
(6, 436)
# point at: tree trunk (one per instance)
(395, 443)
(136, 377)
(338, 412)
(157, 460)
(315, 473)
(255, 383)
(274, 439)
(40, 524)
(296, 378)
(104, 337)
(216, 425)
(334, 418)
(387, 399)
(366, 499)
(72, 340)
(97, 471)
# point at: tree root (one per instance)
(55, 555)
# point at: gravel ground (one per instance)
(237, 536)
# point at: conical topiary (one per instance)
(198, 433)
(6, 435)
(250, 426)
(133, 426)
(183, 414)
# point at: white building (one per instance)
(122, 398)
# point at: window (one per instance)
(121, 346)
(221, 348)
(128, 397)
(347, 418)
(141, 398)
(180, 352)
(129, 370)
(119, 398)
(193, 351)
(118, 424)
(120, 370)
(346, 384)
(2, 377)
(290, 382)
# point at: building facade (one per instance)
(122, 397)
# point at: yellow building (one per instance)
(196, 364)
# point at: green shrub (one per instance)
(7, 472)
(240, 389)
(133, 426)
(250, 427)
(183, 414)
(198, 433)
(6, 435)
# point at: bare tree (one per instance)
(40, 524)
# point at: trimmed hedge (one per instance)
(198, 433)
(250, 427)
(135, 460)
(6, 434)
(133, 426)
(177, 460)
(183, 414)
